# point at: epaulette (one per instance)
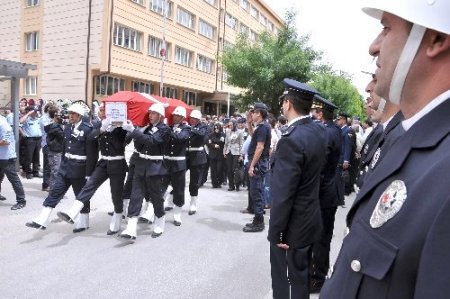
(288, 131)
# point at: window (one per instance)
(206, 29)
(190, 98)
(155, 45)
(231, 21)
(211, 2)
(244, 4)
(205, 64)
(227, 45)
(161, 6)
(32, 41)
(31, 86)
(185, 18)
(270, 26)
(32, 3)
(141, 2)
(263, 20)
(142, 87)
(169, 92)
(183, 56)
(254, 12)
(253, 35)
(107, 85)
(127, 38)
(244, 30)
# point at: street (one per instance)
(208, 256)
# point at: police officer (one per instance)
(258, 157)
(295, 221)
(33, 135)
(347, 152)
(328, 194)
(78, 163)
(398, 243)
(175, 160)
(149, 171)
(112, 166)
(196, 156)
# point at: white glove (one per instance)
(177, 130)
(87, 178)
(105, 125)
(128, 126)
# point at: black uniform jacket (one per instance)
(328, 194)
(151, 143)
(398, 246)
(80, 151)
(213, 140)
(295, 217)
(175, 157)
(112, 144)
(197, 140)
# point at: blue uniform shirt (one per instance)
(262, 133)
(31, 127)
(6, 133)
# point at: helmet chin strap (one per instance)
(404, 63)
(380, 108)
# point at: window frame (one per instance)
(32, 41)
(159, 46)
(127, 38)
(157, 7)
(205, 64)
(212, 28)
(182, 13)
(189, 53)
(31, 85)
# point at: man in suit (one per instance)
(398, 242)
(295, 218)
(328, 193)
(79, 158)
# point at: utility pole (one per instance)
(163, 51)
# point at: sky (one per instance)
(339, 29)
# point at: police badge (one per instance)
(389, 204)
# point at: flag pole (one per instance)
(163, 51)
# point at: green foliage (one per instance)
(340, 91)
(260, 67)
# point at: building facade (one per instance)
(90, 49)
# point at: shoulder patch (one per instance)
(288, 131)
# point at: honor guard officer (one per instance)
(149, 171)
(387, 116)
(348, 149)
(175, 160)
(328, 194)
(398, 243)
(78, 162)
(295, 219)
(196, 156)
(112, 165)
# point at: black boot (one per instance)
(257, 225)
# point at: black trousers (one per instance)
(178, 181)
(62, 184)
(195, 171)
(46, 171)
(8, 168)
(289, 270)
(32, 151)
(232, 165)
(151, 185)
(205, 170)
(321, 249)
(98, 177)
(216, 166)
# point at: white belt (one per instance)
(175, 158)
(112, 158)
(195, 149)
(148, 157)
(74, 157)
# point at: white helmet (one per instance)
(423, 14)
(77, 108)
(158, 108)
(196, 114)
(432, 14)
(180, 111)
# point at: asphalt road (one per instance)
(207, 257)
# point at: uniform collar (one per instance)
(297, 119)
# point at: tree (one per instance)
(339, 89)
(260, 67)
